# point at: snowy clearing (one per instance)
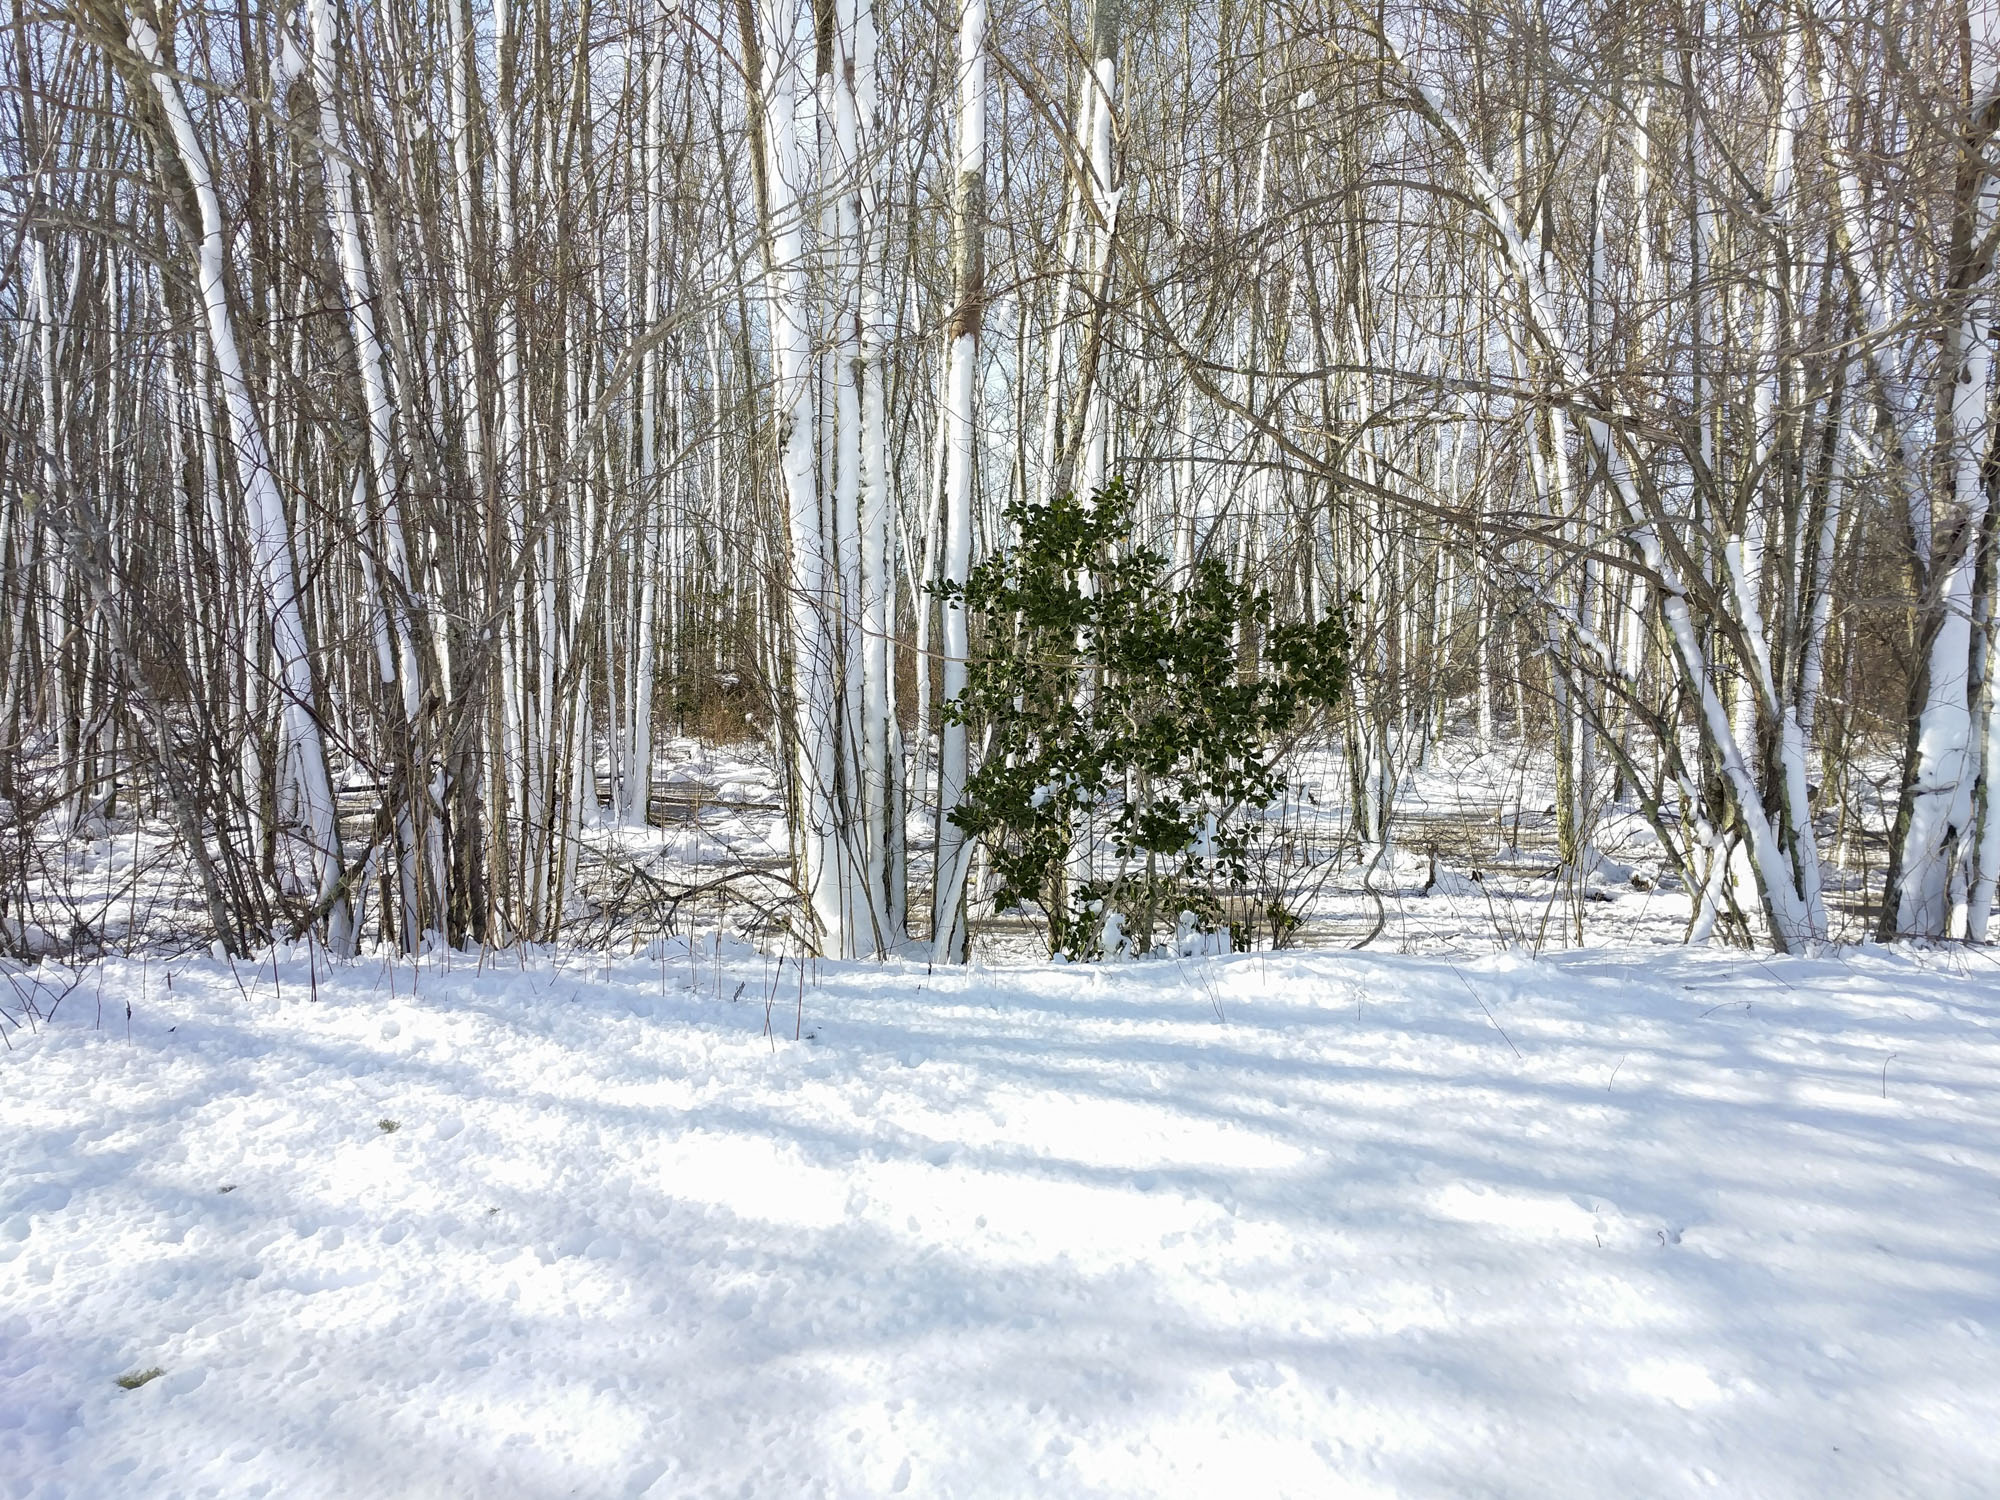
(1261, 1225)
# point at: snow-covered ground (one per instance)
(1472, 866)
(1645, 1221)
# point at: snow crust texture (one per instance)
(1247, 1226)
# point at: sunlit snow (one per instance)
(1295, 1224)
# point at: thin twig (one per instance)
(1482, 1005)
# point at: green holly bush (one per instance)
(1112, 694)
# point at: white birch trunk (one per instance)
(881, 761)
(1933, 899)
(396, 642)
(860, 845)
(265, 511)
(787, 42)
(949, 935)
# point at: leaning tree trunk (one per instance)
(305, 755)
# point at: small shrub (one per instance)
(388, 1127)
(1110, 689)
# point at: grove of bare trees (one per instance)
(410, 412)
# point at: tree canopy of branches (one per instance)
(408, 410)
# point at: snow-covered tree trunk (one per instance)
(787, 40)
(881, 756)
(270, 531)
(1102, 202)
(388, 609)
(843, 259)
(1942, 867)
(948, 924)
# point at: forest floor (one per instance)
(1472, 868)
(1626, 1220)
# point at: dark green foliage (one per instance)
(1109, 691)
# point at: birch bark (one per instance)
(787, 40)
(1941, 851)
(305, 755)
(948, 919)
